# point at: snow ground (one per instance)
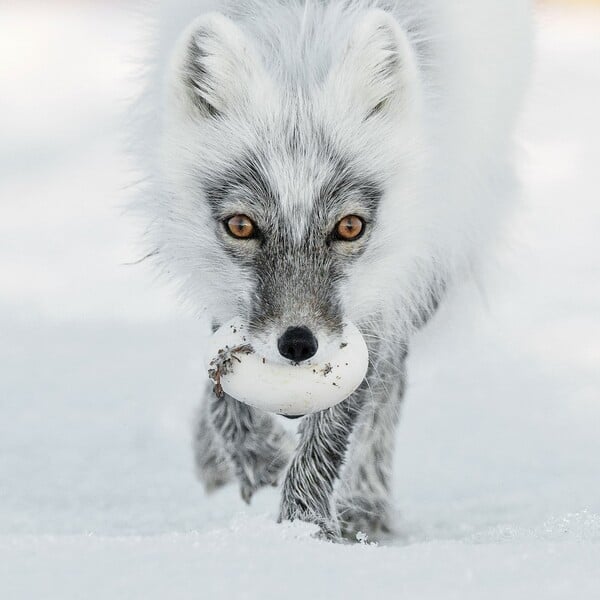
(498, 470)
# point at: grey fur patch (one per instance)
(296, 280)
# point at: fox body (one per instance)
(293, 116)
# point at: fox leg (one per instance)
(236, 439)
(363, 496)
(309, 483)
(353, 441)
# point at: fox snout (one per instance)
(297, 344)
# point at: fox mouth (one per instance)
(296, 344)
(238, 367)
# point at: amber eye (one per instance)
(241, 227)
(350, 228)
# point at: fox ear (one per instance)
(214, 67)
(377, 72)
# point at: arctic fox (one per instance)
(323, 161)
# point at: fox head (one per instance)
(288, 161)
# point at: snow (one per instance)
(498, 459)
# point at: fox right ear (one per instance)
(214, 66)
(377, 74)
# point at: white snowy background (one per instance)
(498, 460)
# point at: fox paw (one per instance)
(365, 516)
(329, 528)
(256, 472)
(261, 463)
(312, 511)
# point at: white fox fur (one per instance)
(419, 98)
(472, 58)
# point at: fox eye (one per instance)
(240, 227)
(350, 228)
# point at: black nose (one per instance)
(297, 344)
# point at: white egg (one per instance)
(285, 388)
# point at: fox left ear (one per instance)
(215, 69)
(377, 73)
